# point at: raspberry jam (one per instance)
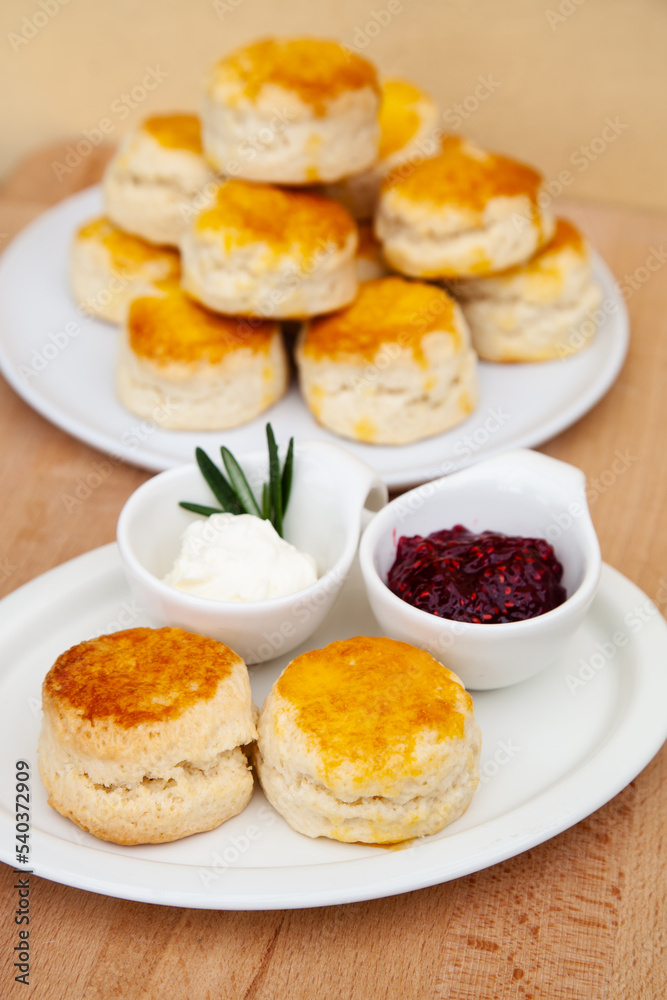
(485, 578)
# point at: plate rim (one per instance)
(144, 457)
(392, 872)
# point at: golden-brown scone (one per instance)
(463, 213)
(109, 268)
(536, 311)
(370, 740)
(393, 367)
(142, 734)
(202, 370)
(157, 175)
(291, 111)
(408, 131)
(262, 250)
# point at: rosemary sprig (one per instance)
(220, 488)
(235, 495)
(287, 474)
(198, 508)
(275, 482)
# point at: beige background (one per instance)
(558, 69)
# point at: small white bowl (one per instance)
(518, 493)
(330, 488)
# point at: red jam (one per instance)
(485, 578)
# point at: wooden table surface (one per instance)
(581, 916)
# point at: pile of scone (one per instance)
(313, 192)
(148, 734)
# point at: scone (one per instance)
(463, 213)
(291, 111)
(201, 370)
(536, 311)
(266, 251)
(142, 735)
(370, 262)
(408, 131)
(394, 367)
(369, 740)
(109, 268)
(150, 185)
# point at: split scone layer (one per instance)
(465, 212)
(393, 367)
(537, 311)
(291, 111)
(266, 251)
(199, 370)
(109, 268)
(368, 740)
(156, 177)
(142, 734)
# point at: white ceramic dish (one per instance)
(555, 748)
(66, 374)
(329, 491)
(519, 493)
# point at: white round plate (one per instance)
(555, 748)
(67, 374)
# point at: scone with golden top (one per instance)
(262, 250)
(369, 740)
(463, 213)
(204, 371)
(408, 132)
(150, 185)
(394, 367)
(142, 734)
(291, 111)
(109, 268)
(536, 311)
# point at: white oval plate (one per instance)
(67, 374)
(555, 748)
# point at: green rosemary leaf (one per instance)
(275, 485)
(198, 508)
(220, 488)
(240, 483)
(266, 502)
(287, 474)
